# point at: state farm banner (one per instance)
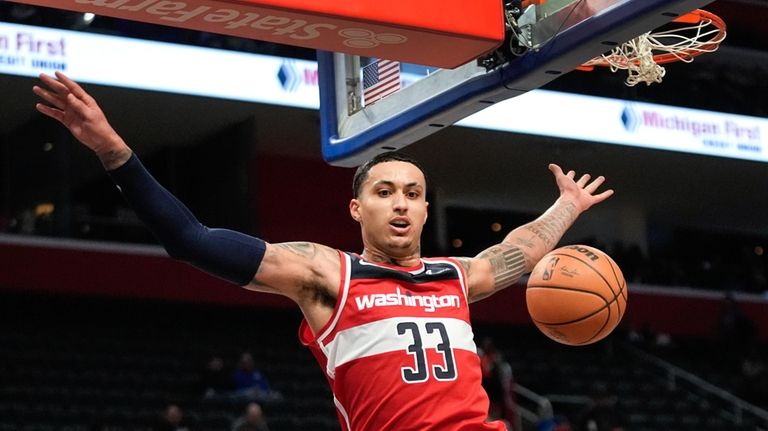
(445, 33)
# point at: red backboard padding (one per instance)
(446, 33)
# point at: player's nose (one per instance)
(400, 203)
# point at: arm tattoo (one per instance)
(113, 159)
(465, 263)
(550, 227)
(508, 264)
(312, 288)
(303, 249)
(527, 243)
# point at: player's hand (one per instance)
(69, 104)
(581, 192)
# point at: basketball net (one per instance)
(699, 32)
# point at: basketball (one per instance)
(576, 295)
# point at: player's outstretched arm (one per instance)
(503, 264)
(227, 254)
(69, 104)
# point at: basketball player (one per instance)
(390, 328)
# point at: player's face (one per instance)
(392, 209)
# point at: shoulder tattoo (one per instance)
(303, 249)
(465, 263)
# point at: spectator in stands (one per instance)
(754, 375)
(601, 414)
(216, 381)
(648, 339)
(498, 382)
(735, 325)
(251, 420)
(737, 331)
(547, 420)
(250, 383)
(172, 419)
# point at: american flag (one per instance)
(380, 78)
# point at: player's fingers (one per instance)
(77, 105)
(555, 169)
(583, 180)
(594, 185)
(49, 97)
(56, 114)
(571, 174)
(602, 196)
(73, 87)
(53, 84)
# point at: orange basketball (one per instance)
(576, 295)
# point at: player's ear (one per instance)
(426, 213)
(354, 210)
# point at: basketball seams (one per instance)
(604, 323)
(621, 285)
(573, 289)
(578, 258)
(588, 340)
(607, 305)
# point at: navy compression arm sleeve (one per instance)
(227, 254)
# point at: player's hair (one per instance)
(390, 156)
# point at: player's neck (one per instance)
(405, 261)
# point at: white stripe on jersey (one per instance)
(416, 271)
(341, 301)
(343, 412)
(382, 337)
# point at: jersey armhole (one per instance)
(463, 278)
(306, 335)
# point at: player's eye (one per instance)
(383, 193)
(413, 195)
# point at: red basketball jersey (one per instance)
(399, 351)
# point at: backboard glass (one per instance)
(558, 36)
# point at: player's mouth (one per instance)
(400, 225)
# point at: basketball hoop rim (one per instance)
(694, 17)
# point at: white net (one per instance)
(643, 56)
(636, 57)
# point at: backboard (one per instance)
(543, 41)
